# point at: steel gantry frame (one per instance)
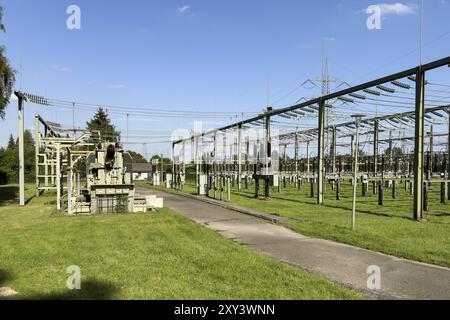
(44, 156)
(320, 104)
(55, 157)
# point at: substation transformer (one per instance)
(109, 180)
(109, 184)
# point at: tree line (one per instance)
(9, 159)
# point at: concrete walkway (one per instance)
(344, 264)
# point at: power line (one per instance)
(148, 112)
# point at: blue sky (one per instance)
(210, 55)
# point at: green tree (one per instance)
(7, 75)
(3, 173)
(9, 159)
(102, 123)
(29, 153)
(11, 142)
(137, 157)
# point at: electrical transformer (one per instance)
(109, 185)
(109, 180)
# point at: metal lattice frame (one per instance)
(379, 87)
(55, 158)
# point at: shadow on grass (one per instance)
(29, 200)
(311, 201)
(438, 214)
(5, 276)
(90, 290)
(373, 213)
(8, 194)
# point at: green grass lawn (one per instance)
(137, 256)
(388, 229)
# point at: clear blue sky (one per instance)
(204, 54)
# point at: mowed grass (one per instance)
(388, 229)
(138, 256)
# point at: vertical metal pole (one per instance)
(46, 156)
(333, 150)
(247, 158)
(215, 164)
(419, 145)
(196, 160)
(229, 189)
(231, 159)
(375, 147)
(161, 174)
(430, 168)
(352, 149)
(58, 177)
(239, 147)
(183, 166)
(46, 170)
(391, 152)
(69, 184)
(296, 160)
(355, 175)
(36, 152)
(224, 162)
(52, 168)
(21, 149)
(448, 156)
(268, 157)
(307, 158)
(320, 154)
(221, 185)
(173, 165)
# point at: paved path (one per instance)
(400, 278)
